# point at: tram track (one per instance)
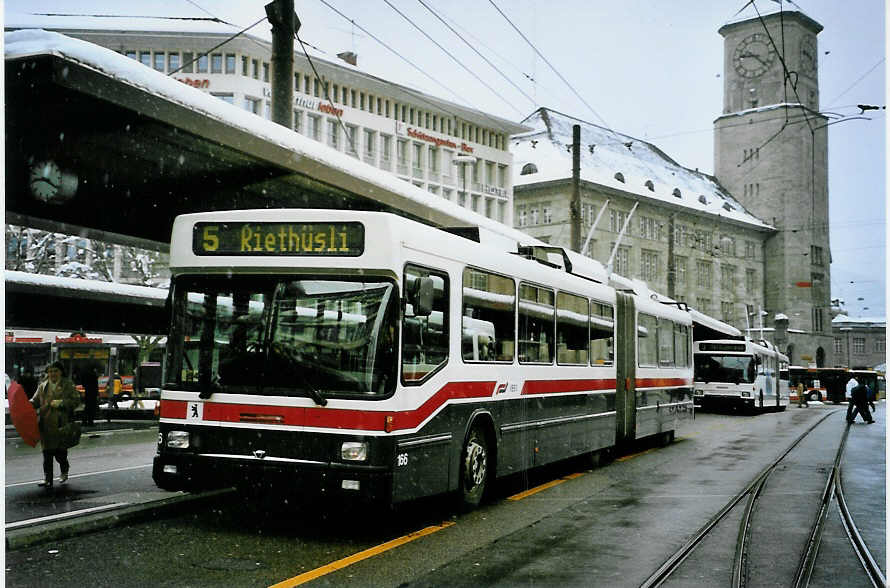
(753, 492)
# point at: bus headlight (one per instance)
(354, 451)
(746, 394)
(178, 439)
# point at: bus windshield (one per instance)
(735, 369)
(284, 336)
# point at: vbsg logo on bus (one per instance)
(344, 239)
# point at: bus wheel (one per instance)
(814, 396)
(474, 469)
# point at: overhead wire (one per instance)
(453, 58)
(468, 44)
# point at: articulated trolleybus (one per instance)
(363, 355)
(740, 373)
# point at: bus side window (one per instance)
(488, 315)
(602, 333)
(424, 337)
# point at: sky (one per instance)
(651, 69)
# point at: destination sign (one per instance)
(345, 239)
(721, 346)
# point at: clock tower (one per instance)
(771, 153)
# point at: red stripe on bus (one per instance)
(173, 409)
(561, 386)
(363, 420)
(661, 382)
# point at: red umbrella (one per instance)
(22, 414)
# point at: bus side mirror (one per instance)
(421, 296)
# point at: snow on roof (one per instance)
(26, 43)
(606, 154)
(861, 321)
(79, 286)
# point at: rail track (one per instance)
(832, 494)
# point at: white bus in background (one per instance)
(741, 374)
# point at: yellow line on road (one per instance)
(542, 487)
(357, 557)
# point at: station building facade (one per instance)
(456, 152)
(685, 235)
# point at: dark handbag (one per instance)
(69, 434)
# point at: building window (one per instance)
(245, 70)
(750, 281)
(704, 271)
(533, 216)
(216, 63)
(188, 63)
(816, 255)
(385, 148)
(727, 277)
(370, 142)
(131, 54)
(680, 264)
(201, 66)
(224, 96)
(650, 228)
(879, 345)
(266, 73)
(750, 249)
(727, 245)
(252, 104)
(680, 237)
(859, 345)
(417, 151)
(817, 321)
(621, 263)
(145, 58)
(703, 305)
(333, 134)
(313, 127)
(298, 121)
(255, 71)
(172, 62)
(548, 213)
(230, 63)
(649, 265)
(523, 217)
(616, 221)
(160, 60)
(838, 346)
(433, 155)
(726, 311)
(351, 138)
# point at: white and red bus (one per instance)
(363, 355)
(741, 373)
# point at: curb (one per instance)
(80, 525)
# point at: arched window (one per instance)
(677, 193)
(619, 176)
(528, 168)
(650, 185)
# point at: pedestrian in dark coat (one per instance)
(90, 395)
(859, 398)
(55, 401)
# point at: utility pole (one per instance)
(575, 206)
(285, 25)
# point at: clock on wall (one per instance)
(754, 55)
(808, 55)
(45, 179)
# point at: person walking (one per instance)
(859, 399)
(801, 396)
(55, 401)
(851, 406)
(115, 390)
(90, 395)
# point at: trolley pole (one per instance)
(575, 207)
(285, 25)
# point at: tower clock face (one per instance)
(754, 55)
(808, 55)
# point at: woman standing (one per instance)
(55, 401)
